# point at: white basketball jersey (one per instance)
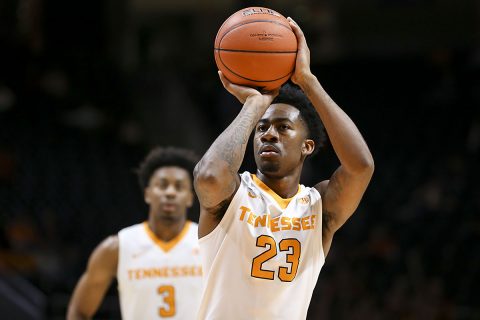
(263, 259)
(157, 279)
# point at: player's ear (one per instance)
(308, 147)
(146, 195)
(191, 196)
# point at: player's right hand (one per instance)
(302, 72)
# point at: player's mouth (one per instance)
(268, 150)
(169, 207)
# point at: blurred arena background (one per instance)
(87, 87)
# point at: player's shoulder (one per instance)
(246, 177)
(192, 224)
(110, 242)
(133, 229)
(247, 182)
(108, 247)
(190, 237)
(134, 236)
(313, 194)
(192, 228)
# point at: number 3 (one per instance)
(284, 245)
(168, 293)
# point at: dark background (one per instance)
(88, 87)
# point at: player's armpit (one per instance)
(95, 281)
(211, 217)
(342, 194)
(219, 210)
(327, 233)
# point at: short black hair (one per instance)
(291, 94)
(160, 157)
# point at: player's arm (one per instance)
(216, 175)
(343, 192)
(95, 281)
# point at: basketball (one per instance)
(256, 47)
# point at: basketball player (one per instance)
(264, 237)
(156, 263)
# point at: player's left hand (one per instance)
(242, 93)
(302, 63)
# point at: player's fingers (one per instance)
(220, 75)
(302, 42)
(296, 28)
(230, 87)
(224, 80)
(274, 93)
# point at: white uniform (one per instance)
(158, 279)
(263, 259)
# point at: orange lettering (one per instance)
(138, 274)
(274, 224)
(186, 271)
(286, 224)
(296, 224)
(314, 220)
(244, 210)
(174, 271)
(147, 273)
(168, 293)
(305, 223)
(261, 220)
(164, 271)
(251, 218)
(156, 272)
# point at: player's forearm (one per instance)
(344, 135)
(75, 314)
(84, 304)
(227, 152)
(92, 286)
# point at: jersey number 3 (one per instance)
(284, 245)
(168, 293)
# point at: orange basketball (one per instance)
(256, 47)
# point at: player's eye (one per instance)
(179, 186)
(262, 128)
(163, 186)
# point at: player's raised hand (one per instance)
(302, 63)
(242, 93)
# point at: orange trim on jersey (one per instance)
(283, 203)
(167, 245)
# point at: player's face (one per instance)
(280, 142)
(169, 193)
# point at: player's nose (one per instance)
(270, 135)
(171, 191)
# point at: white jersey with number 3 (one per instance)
(263, 259)
(157, 279)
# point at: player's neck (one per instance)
(166, 230)
(286, 187)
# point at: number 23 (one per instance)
(284, 245)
